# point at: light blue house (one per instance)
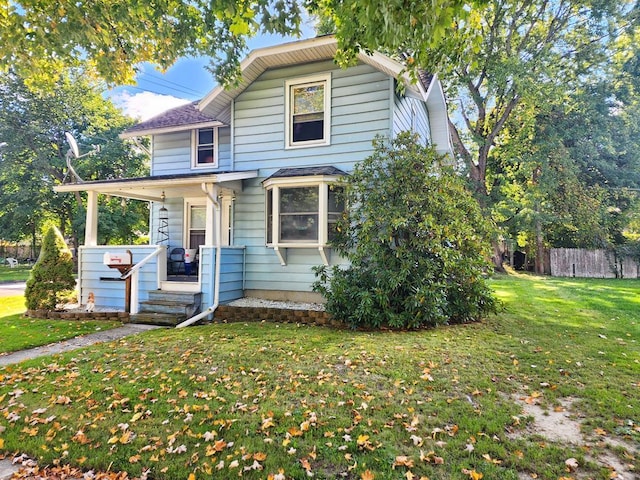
(247, 177)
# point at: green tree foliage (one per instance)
(51, 281)
(116, 36)
(392, 26)
(564, 173)
(33, 161)
(414, 237)
(528, 51)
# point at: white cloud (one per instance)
(145, 105)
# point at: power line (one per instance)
(172, 83)
(133, 87)
(184, 90)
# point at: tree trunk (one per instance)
(497, 256)
(539, 248)
(34, 237)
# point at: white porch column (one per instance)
(209, 232)
(91, 227)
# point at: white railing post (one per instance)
(135, 292)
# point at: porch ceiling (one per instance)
(152, 188)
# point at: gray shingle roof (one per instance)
(306, 172)
(425, 79)
(188, 114)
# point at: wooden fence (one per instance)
(577, 262)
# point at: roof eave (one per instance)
(263, 58)
(151, 189)
(256, 55)
(170, 129)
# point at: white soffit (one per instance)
(217, 102)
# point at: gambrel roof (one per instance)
(218, 102)
(215, 108)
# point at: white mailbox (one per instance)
(117, 259)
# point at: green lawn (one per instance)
(286, 401)
(17, 274)
(19, 333)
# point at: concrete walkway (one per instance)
(75, 343)
(11, 289)
(7, 468)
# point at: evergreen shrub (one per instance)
(415, 240)
(52, 281)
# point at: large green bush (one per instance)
(415, 241)
(52, 280)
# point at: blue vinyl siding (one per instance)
(231, 274)
(403, 111)
(172, 153)
(360, 110)
(110, 293)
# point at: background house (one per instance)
(250, 175)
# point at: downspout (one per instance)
(212, 192)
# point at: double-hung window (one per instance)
(308, 111)
(205, 147)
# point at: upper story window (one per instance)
(308, 111)
(205, 147)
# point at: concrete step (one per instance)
(175, 305)
(173, 296)
(166, 306)
(148, 318)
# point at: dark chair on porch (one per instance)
(175, 264)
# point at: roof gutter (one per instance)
(211, 190)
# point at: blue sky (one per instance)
(185, 81)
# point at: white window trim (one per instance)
(320, 181)
(188, 204)
(296, 82)
(194, 149)
(226, 204)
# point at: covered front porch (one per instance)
(187, 212)
(149, 274)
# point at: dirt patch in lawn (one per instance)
(561, 424)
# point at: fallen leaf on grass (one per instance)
(472, 474)
(571, 463)
(402, 461)
(277, 476)
(488, 458)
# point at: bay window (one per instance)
(302, 212)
